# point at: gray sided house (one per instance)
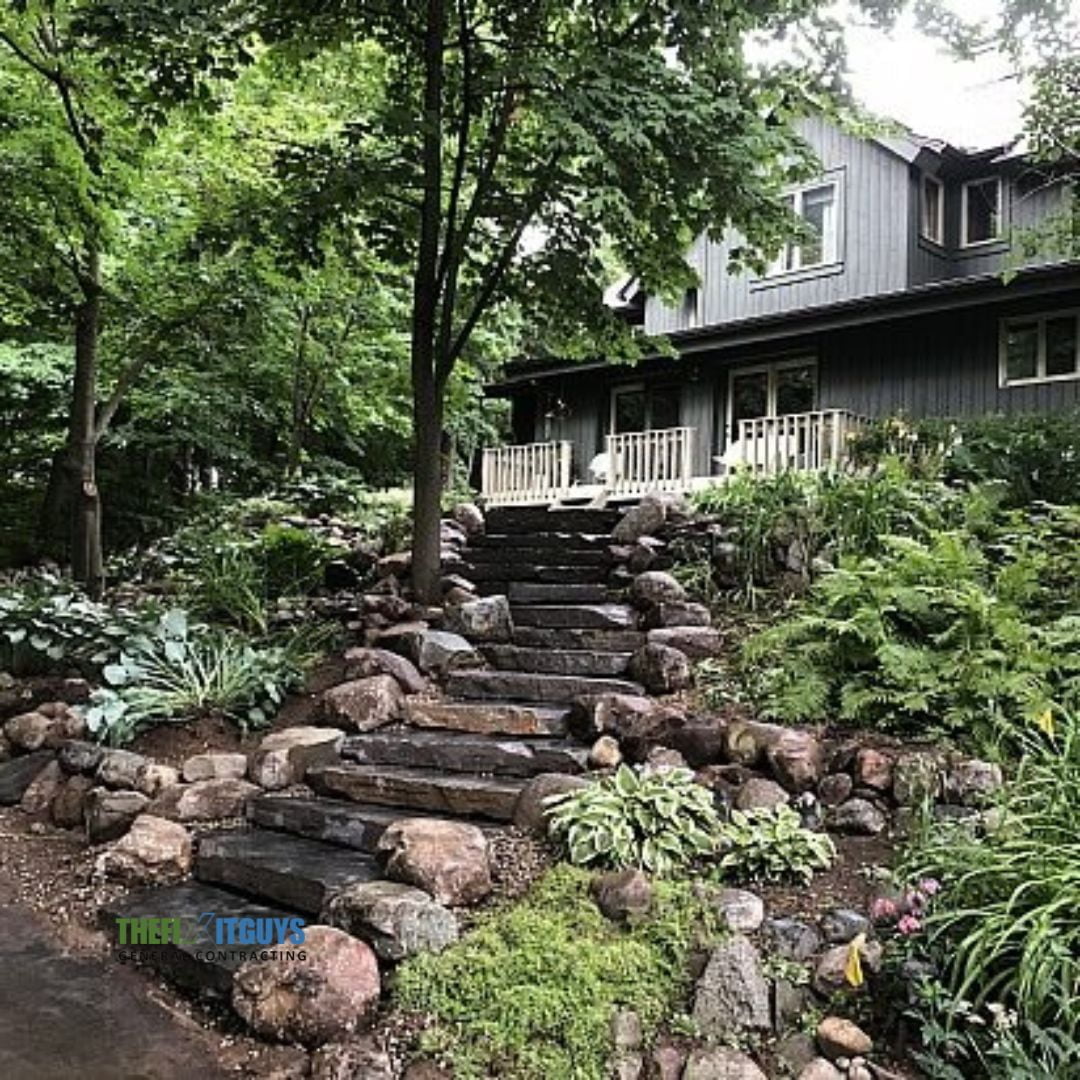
(898, 304)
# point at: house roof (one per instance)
(912, 302)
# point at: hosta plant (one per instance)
(660, 821)
(772, 845)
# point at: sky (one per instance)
(912, 78)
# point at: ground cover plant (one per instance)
(531, 991)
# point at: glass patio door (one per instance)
(769, 390)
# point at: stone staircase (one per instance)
(466, 756)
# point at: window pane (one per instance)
(981, 222)
(931, 209)
(749, 398)
(1061, 353)
(629, 410)
(1022, 351)
(664, 407)
(817, 212)
(795, 390)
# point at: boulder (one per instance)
(470, 517)
(791, 939)
(664, 759)
(69, 804)
(830, 971)
(796, 1052)
(29, 731)
(284, 757)
(840, 925)
(363, 704)
(214, 766)
(645, 519)
(748, 742)
(448, 859)
(835, 788)
(439, 652)
(761, 794)
(80, 757)
(732, 996)
(668, 1061)
(656, 587)
(119, 769)
(396, 565)
(677, 614)
(839, 1037)
(721, 1063)
(396, 920)
(363, 663)
(622, 895)
(153, 778)
(5, 748)
(605, 753)
(621, 715)
(873, 769)
(797, 760)
(660, 669)
(41, 791)
(740, 910)
(109, 814)
(530, 812)
(642, 555)
(857, 817)
(486, 619)
(697, 642)
(325, 996)
(820, 1069)
(359, 1059)
(917, 776)
(205, 800)
(154, 851)
(971, 782)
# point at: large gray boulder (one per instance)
(661, 669)
(486, 619)
(656, 587)
(363, 704)
(732, 996)
(439, 652)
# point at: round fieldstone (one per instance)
(741, 910)
(840, 925)
(857, 817)
(761, 794)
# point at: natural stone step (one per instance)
(554, 661)
(529, 592)
(465, 753)
(583, 616)
(557, 541)
(509, 558)
(281, 869)
(529, 686)
(488, 718)
(201, 964)
(569, 575)
(518, 519)
(19, 773)
(329, 820)
(419, 789)
(595, 640)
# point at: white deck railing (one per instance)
(803, 441)
(641, 461)
(533, 473)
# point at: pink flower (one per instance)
(929, 886)
(909, 925)
(883, 909)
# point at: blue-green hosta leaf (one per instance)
(115, 674)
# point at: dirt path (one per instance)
(67, 1016)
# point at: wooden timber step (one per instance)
(280, 869)
(553, 541)
(488, 717)
(566, 637)
(473, 685)
(512, 557)
(530, 592)
(556, 661)
(580, 616)
(525, 519)
(525, 572)
(419, 789)
(199, 964)
(457, 752)
(344, 823)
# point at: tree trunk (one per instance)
(428, 389)
(86, 554)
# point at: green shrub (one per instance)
(179, 671)
(292, 560)
(660, 821)
(771, 844)
(530, 992)
(931, 636)
(1004, 931)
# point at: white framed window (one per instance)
(932, 209)
(818, 205)
(980, 211)
(1040, 348)
(783, 388)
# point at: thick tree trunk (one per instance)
(428, 389)
(86, 555)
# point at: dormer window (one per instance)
(817, 205)
(932, 212)
(980, 211)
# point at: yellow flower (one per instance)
(1045, 722)
(853, 971)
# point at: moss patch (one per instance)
(530, 992)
